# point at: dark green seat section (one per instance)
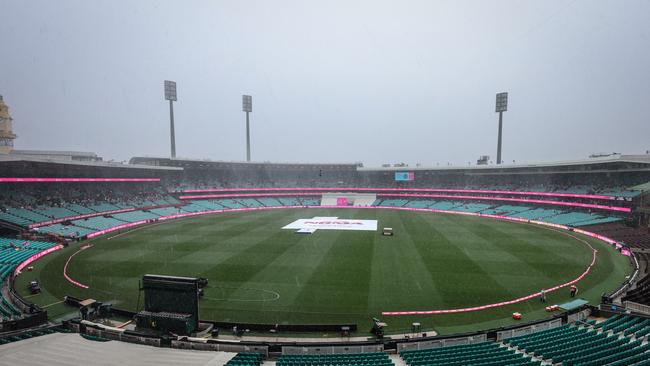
(640, 326)
(604, 343)
(621, 323)
(12, 253)
(606, 356)
(246, 359)
(639, 359)
(483, 354)
(336, 359)
(644, 331)
(609, 321)
(25, 335)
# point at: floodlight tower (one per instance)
(502, 106)
(170, 95)
(247, 106)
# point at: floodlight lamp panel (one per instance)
(247, 103)
(170, 90)
(502, 102)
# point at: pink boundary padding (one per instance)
(75, 180)
(447, 196)
(65, 269)
(423, 190)
(36, 256)
(504, 218)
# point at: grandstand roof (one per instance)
(4, 159)
(164, 161)
(621, 162)
(54, 153)
(616, 162)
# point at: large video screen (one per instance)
(404, 176)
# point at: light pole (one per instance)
(501, 106)
(247, 106)
(170, 95)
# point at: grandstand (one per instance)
(13, 253)
(618, 340)
(487, 353)
(108, 216)
(352, 359)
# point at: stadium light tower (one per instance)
(170, 95)
(502, 106)
(247, 106)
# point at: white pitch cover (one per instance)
(332, 223)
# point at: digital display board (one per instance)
(404, 176)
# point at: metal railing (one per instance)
(636, 307)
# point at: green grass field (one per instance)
(261, 273)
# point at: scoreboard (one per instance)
(170, 304)
(404, 176)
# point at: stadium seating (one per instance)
(165, 211)
(536, 214)
(69, 231)
(25, 335)
(194, 207)
(27, 214)
(29, 205)
(55, 212)
(26, 244)
(641, 293)
(98, 222)
(309, 201)
(5, 216)
(486, 353)
(228, 203)
(394, 202)
(600, 220)
(507, 210)
(289, 201)
(342, 359)
(12, 253)
(570, 218)
(444, 205)
(269, 202)
(82, 227)
(630, 236)
(620, 192)
(103, 207)
(419, 204)
(209, 205)
(613, 340)
(250, 202)
(133, 216)
(472, 207)
(79, 209)
(525, 212)
(246, 359)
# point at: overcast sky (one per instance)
(332, 81)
